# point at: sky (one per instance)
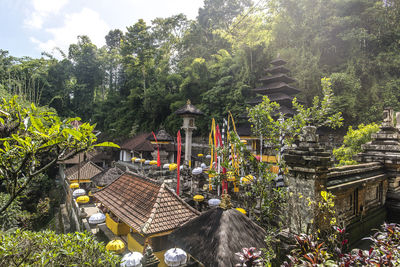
(29, 27)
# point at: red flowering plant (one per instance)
(385, 250)
(249, 257)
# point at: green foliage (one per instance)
(352, 143)
(270, 124)
(143, 74)
(25, 248)
(32, 140)
(12, 216)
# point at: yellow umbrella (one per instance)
(172, 166)
(230, 177)
(241, 210)
(82, 199)
(74, 185)
(116, 246)
(142, 160)
(153, 162)
(200, 155)
(133, 159)
(198, 198)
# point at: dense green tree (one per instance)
(88, 74)
(26, 248)
(31, 141)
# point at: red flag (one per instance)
(158, 151)
(178, 161)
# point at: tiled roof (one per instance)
(145, 205)
(138, 143)
(85, 172)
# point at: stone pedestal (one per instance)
(385, 148)
(308, 167)
(163, 156)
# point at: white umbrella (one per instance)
(203, 166)
(208, 157)
(197, 170)
(166, 166)
(214, 202)
(97, 218)
(181, 167)
(147, 162)
(132, 259)
(175, 257)
(79, 192)
(137, 160)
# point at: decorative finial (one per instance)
(188, 102)
(225, 201)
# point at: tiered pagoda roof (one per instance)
(276, 86)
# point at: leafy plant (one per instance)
(352, 143)
(249, 257)
(26, 248)
(32, 140)
(270, 124)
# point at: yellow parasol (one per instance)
(116, 246)
(74, 185)
(82, 199)
(198, 198)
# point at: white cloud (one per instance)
(86, 22)
(41, 10)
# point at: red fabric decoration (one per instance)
(158, 151)
(178, 161)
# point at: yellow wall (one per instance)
(133, 245)
(160, 256)
(116, 228)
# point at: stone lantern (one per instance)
(188, 113)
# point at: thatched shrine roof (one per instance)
(279, 87)
(107, 177)
(277, 78)
(277, 69)
(145, 205)
(278, 62)
(189, 109)
(162, 136)
(215, 236)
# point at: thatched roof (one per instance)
(107, 177)
(189, 109)
(215, 236)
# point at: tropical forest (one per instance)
(252, 133)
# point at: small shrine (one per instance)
(188, 112)
(144, 211)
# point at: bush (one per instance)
(26, 248)
(352, 143)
